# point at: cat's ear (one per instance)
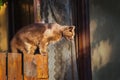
(71, 28)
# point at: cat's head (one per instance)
(68, 32)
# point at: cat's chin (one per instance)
(69, 39)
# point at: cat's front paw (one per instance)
(43, 53)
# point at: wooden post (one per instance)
(42, 66)
(35, 67)
(29, 67)
(80, 9)
(2, 66)
(14, 66)
(37, 17)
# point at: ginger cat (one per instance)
(40, 35)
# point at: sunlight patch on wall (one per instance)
(101, 54)
(100, 51)
(3, 27)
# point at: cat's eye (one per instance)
(70, 30)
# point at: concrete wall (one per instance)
(105, 39)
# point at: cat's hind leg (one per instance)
(14, 49)
(18, 49)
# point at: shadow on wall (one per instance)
(105, 40)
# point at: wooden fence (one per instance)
(15, 66)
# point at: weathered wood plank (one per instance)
(29, 67)
(2, 66)
(35, 67)
(42, 79)
(29, 78)
(42, 66)
(14, 66)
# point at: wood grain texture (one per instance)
(29, 67)
(35, 67)
(41, 66)
(14, 66)
(2, 66)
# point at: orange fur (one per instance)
(40, 35)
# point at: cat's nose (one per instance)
(71, 38)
